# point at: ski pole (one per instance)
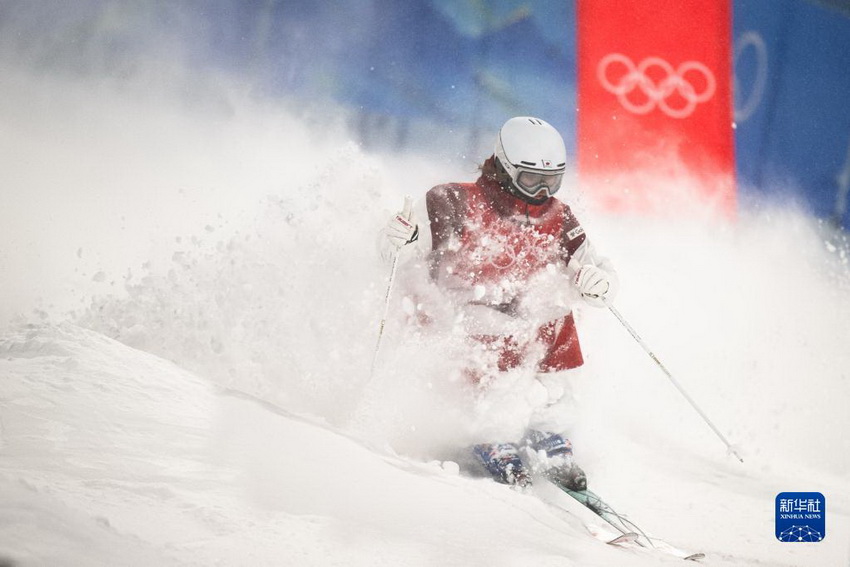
(384, 317)
(675, 382)
(406, 211)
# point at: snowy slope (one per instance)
(208, 250)
(113, 456)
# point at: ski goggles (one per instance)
(532, 182)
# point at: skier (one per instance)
(506, 251)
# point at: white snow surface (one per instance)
(190, 302)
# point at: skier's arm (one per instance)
(593, 275)
(445, 217)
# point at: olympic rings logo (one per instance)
(672, 92)
(746, 104)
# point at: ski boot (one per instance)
(552, 455)
(503, 463)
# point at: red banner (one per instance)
(655, 102)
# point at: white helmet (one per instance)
(532, 153)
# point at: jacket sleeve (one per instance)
(579, 251)
(445, 220)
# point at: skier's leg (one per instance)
(545, 445)
(492, 368)
(552, 454)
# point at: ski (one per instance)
(630, 537)
(629, 530)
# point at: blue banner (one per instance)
(792, 79)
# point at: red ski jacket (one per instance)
(507, 263)
(483, 236)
